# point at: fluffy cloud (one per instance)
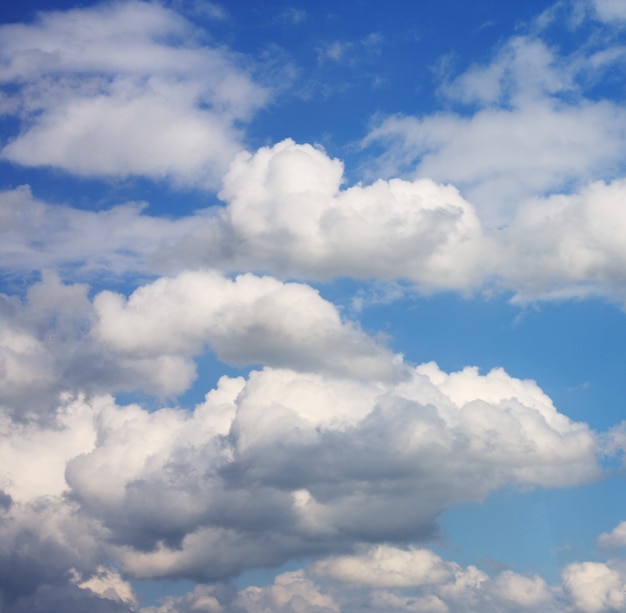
(287, 213)
(615, 538)
(567, 245)
(248, 320)
(537, 148)
(280, 465)
(58, 340)
(326, 587)
(386, 567)
(46, 350)
(121, 89)
(595, 587)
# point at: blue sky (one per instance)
(312, 308)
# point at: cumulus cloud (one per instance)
(276, 466)
(287, 213)
(249, 320)
(386, 567)
(595, 587)
(58, 340)
(46, 350)
(124, 89)
(325, 587)
(567, 245)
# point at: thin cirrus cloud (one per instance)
(124, 89)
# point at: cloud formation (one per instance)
(278, 465)
(126, 88)
(530, 132)
(329, 447)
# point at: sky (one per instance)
(312, 307)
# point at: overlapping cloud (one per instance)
(287, 215)
(278, 465)
(332, 447)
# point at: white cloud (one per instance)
(35, 235)
(107, 583)
(280, 466)
(528, 131)
(100, 93)
(248, 320)
(567, 245)
(498, 157)
(46, 350)
(382, 579)
(287, 213)
(615, 538)
(610, 10)
(386, 567)
(290, 592)
(594, 587)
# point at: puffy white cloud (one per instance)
(248, 320)
(528, 592)
(290, 592)
(108, 584)
(525, 127)
(290, 464)
(567, 245)
(46, 350)
(279, 466)
(615, 538)
(353, 583)
(594, 587)
(386, 567)
(57, 340)
(287, 213)
(124, 88)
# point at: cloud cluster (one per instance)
(287, 214)
(123, 89)
(57, 339)
(531, 132)
(329, 446)
(401, 580)
(277, 465)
